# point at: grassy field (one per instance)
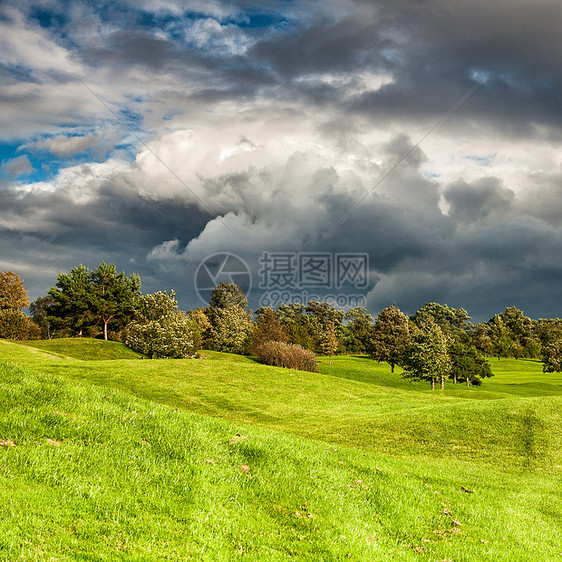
(105, 456)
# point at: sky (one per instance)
(267, 142)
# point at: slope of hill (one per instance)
(83, 348)
(89, 471)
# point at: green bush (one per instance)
(289, 356)
(160, 330)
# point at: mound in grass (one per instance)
(86, 349)
(95, 474)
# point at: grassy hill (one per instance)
(107, 457)
(83, 348)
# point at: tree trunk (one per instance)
(432, 384)
(467, 381)
(392, 367)
(330, 360)
(455, 379)
(105, 331)
(442, 383)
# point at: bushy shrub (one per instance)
(160, 330)
(290, 356)
(175, 338)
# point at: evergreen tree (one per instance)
(84, 298)
(112, 295)
(69, 311)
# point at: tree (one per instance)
(70, 307)
(230, 323)
(329, 340)
(200, 318)
(14, 323)
(318, 316)
(13, 295)
(112, 295)
(454, 322)
(467, 364)
(230, 330)
(516, 334)
(552, 357)
(520, 327)
(267, 328)
(296, 324)
(225, 295)
(479, 338)
(548, 330)
(502, 344)
(390, 336)
(39, 310)
(160, 330)
(357, 330)
(84, 298)
(426, 357)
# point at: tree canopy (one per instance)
(14, 323)
(13, 294)
(159, 329)
(83, 299)
(426, 357)
(390, 336)
(230, 323)
(357, 329)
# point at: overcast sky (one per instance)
(152, 134)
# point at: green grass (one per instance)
(83, 348)
(121, 459)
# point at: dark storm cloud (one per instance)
(287, 119)
(442, 49)
(483, 269)
(475, 202)
(113, 224)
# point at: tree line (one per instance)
(436, 343)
